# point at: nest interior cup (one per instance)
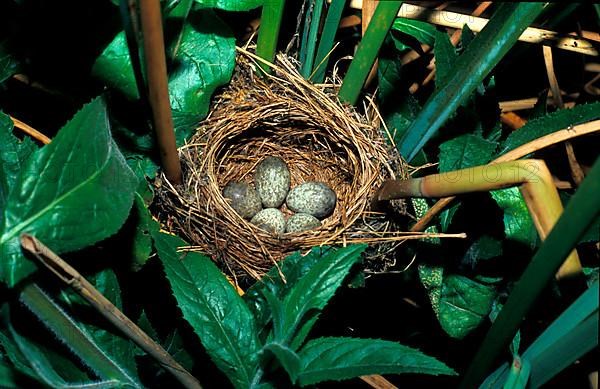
(282, 116)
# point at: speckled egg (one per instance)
(272, 181)
(301, 222)
(270, 219)
(244, 199)
(314, 198)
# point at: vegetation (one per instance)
(96, 293)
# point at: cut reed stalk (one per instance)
(158, 90)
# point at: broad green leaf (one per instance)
(540, 109)
(518, 224)
(287, 357)
(205, 60)
(114, 67)
(478, 60)
(483, 248)
(465, 151)
(313, 291)
(421, 31)
(445, 59)
(464, 304)
(293, 268)
(466, 37)
(558, 120)
(231, 5)
(16, 357)
(13, 154)
(9, 65)
(432, 278)
(326, 359)
(71, 193)
(213, 308)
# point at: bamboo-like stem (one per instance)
(367, 51)
(32, 132)
(332, 21)
(55, 319)
(476, 24)
(268, 33)
(536, 182)
(158, 89)
(368, 10)
(580, 213)
(519, 152)
(73, 278)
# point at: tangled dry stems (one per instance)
(319, 138)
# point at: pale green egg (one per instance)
(244, 199)
(299, 222)
(272, 181)
(314, 198)
(270, 219)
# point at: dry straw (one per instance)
(319, 138)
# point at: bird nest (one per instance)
(319, 138)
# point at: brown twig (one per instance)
(512, 120)
(158, 90)
(71, 277)
(32, 132)
(576, 172)
(519, 152)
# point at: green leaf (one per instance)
(518, 224)
(465, 151)
(287, 357)
(205, 60)
(231, 5)
(16, 357)
(213, 308)
(422, 31)
(483, 248)
(13, 154)
(9, 65)
(309, 296)
(47, 373)
(110, 339)
(445, 59)
(558, 120)
(141, 244)
(71, 193)
(478, 60)
(114, 67)
(464, 304)
(326, 359)
(293, 268)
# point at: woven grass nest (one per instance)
(319, 138)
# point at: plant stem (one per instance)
(519, 152)
(67, 331)
(32, 132)
(86, 290)
(580, 213)
(535, 179)
(268, 33)
(478, 60)
(307, 67)
(158, 90)
(332, 21)
(367, 50)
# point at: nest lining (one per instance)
(319, 139)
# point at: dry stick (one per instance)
(533, 176)
(158, 90)
(576, 171)
(519, 152)
(528, 103)
(476, 24)
(26, 128)
(378, 382)
(71, 277)
(512, 120)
